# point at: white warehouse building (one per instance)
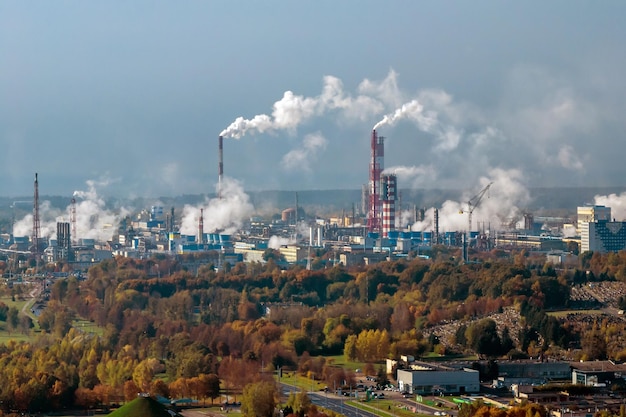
(431, 379)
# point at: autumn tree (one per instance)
(299, 402)
(259, 399)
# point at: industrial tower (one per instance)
(36, 225)
(201, 227)
(389, 195)
(377, 163)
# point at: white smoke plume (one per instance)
(414, 176)
(435, 113)
(93, 219)
(225, 215)
(47, 222)
(569, 230)
(568, 159)
(292, 109)
(301, 158)
(276, 242)
(616, 202)
(405, 218)
(505, 200)
(386, 91)
(412, 110)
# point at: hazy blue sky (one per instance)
(135, 93)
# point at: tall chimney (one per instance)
(36, 226)
(201, 227)
(220, 166)
(436, 226)
(376, 167)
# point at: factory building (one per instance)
(293, 253)
(597, 373)
(428, 379)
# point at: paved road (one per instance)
(339, 405)
(34, 293)
(329, 401)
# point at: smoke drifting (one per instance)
(434, 112)
(223, 215)
(413, 176)
(276, 242)
(292, 110)
(499, 207)
(93, 219)
(616, 202)
(413, 110)
(301, 158)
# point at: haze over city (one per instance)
(134, 95)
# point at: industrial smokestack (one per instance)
(220, 166)
(377, 149)
(201, 227)
(36, 226)
(436, 226)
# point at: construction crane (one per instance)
(472, 203)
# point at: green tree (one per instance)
(299, 403)
(13, 320)
(459, 335)
(349, 349)
(507, 341)
(259, 399)
(483, 337)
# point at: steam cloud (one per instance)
(292, 110)
(413, 176)
(434, 112)
(276, 242)
(300, 158)
(499, 207)
(223, 215)
(93, 219)
(616, 202)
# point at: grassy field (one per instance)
(434, 357)
(5, 337)
(386, 408)
(88, 327)
(302, 383)
(564, 313)
(342, 362)
(17, 303)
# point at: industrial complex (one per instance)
(380, 229)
